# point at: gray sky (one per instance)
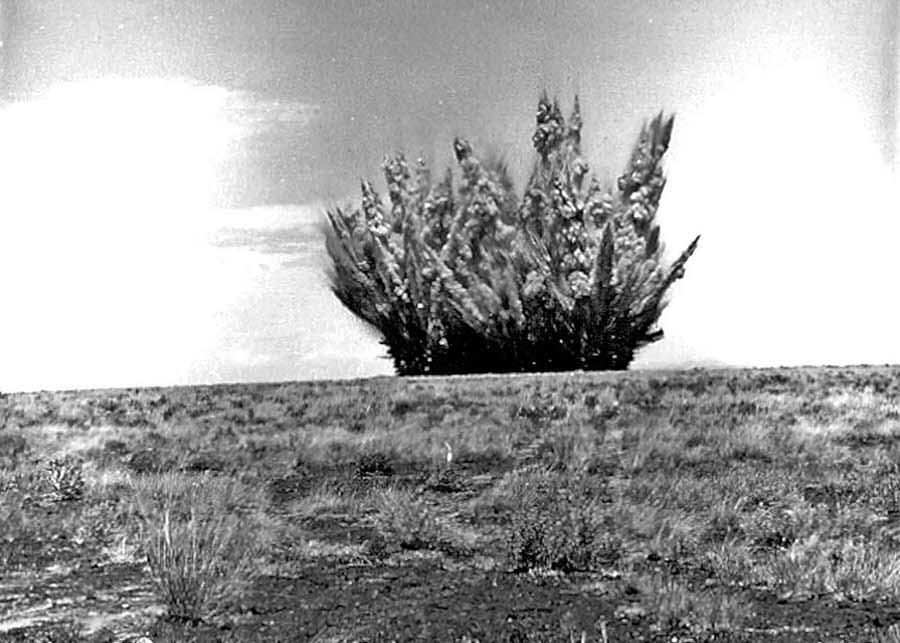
(168, 160)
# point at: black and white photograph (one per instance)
(463, 321)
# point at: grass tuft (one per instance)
(202, 539)
(556, 524)
(406, 520)
(674, 606)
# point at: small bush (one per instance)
(858, 571)
(569, 447)
(729, 562)
(779, 528)
(202, 539)
(65, 479)
(725, 522)
(374, 464)
(675, 607)
(444, 479)
(148, 461)
(863, 571)
(556, 525)
(407, 521)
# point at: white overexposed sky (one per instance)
(165, 164)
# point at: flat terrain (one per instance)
(731, 505)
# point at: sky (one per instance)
(165, 163)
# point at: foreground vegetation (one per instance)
(728, 505)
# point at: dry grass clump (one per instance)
(329, 497)
(674, 606)
(64, 479)
(406, 520)
(570, 447)
(202, 537)
(555, 523)
(846, 569)
(45, 501)
(654, 530)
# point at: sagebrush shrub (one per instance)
(469, 278)
(556, 524)
(65, 479)
(405, 520)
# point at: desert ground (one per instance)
(696, 505)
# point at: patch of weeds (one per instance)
(537, 413)
(374, 464)
(113, 452)
(203, 539)
(538, 408)
(203, 462)
(403, 404)
(568, 448)
(661, 531)
(725, 522)
(890, 634)
(29, 481)
(14, 525)
(603, 403)
(355, 426)
(36, 517)
(780, 527)
(407, 521)
(866, 570)
(556, 525)
(9, 481)
(14, 449)
(65, 479)
(107, 501)
(746, 450)
(802, 570)
(62, 632)
(149, 461)
(435, 415)
(851, 570)
(443, 479)
(673, 606)
(121, 552)
(883, 496)
(49, 483)
(328, 497)
(339, 452)
(730, 563)
(861, 522)
(651, 446)
(672, 536)
(94, 524)
(165, 631)
(639, 396)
